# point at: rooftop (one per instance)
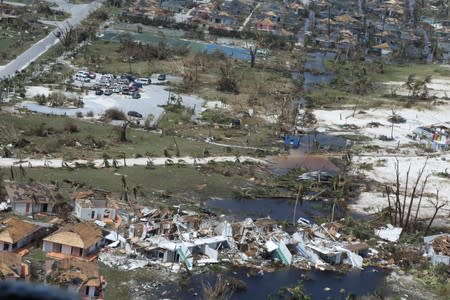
(29, 193)
(81, 235)
(15, 230)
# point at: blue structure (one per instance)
(292, 140)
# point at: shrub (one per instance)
(79, 114)
(90, 114)
(71, 127)
(115, 114)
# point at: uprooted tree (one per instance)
(405, 201)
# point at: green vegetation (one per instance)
(39, 134)
(181, 182)
(394, 72)
(15, 39)
(121, 282)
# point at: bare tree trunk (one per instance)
(123, 131)
(397, 193)
(420, 199)
(411, 202)
(295, 206)
(252, 52)
(388, 195)
(437, 207)
(405, 194)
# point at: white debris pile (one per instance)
(122, 262)
(389, 233)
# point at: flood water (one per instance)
(315, 72)
(278, 209)
(318, 284)
(179, 42)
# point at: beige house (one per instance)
(79, 240)
(15, 234)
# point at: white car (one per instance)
(143, 81)
(82, 77)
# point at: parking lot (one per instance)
(151, 97)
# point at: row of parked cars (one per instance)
(107, 84)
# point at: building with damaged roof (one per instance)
(94, 205)
(12, 267)
(80, 277)
(28, 199)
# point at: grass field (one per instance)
(97, 139)
(13, 41)
(187, 183)
(401, 72)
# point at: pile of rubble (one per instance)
(441, 245)
(182, 239)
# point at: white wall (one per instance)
(19, 208)
(47, 246)
(66, 250)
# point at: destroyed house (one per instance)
(437, 248)
(27, 199)
(76, 276)
(94, 205)
(177, 251)
(436, 136)
(12, 267)
(79, 240)
(16, 234)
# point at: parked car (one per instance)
(135, 114)
(108, 92)
(129, 77)
(143, 81)
(133, 89)
(99, 92)
(92, 75)
(82, 77)
(117, 89)
(136, 84)
(162, 77)
(136, 95)
(125, 91)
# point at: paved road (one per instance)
(99, 163)
(79, 13)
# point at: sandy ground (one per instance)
(401, 148)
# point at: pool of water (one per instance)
(196, 46)
(278, 209)
(317, 284)
(310, 142)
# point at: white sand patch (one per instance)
(335, 119)
(32, 91)
(438, 87)
(384, 172)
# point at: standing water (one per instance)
(318, 284)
